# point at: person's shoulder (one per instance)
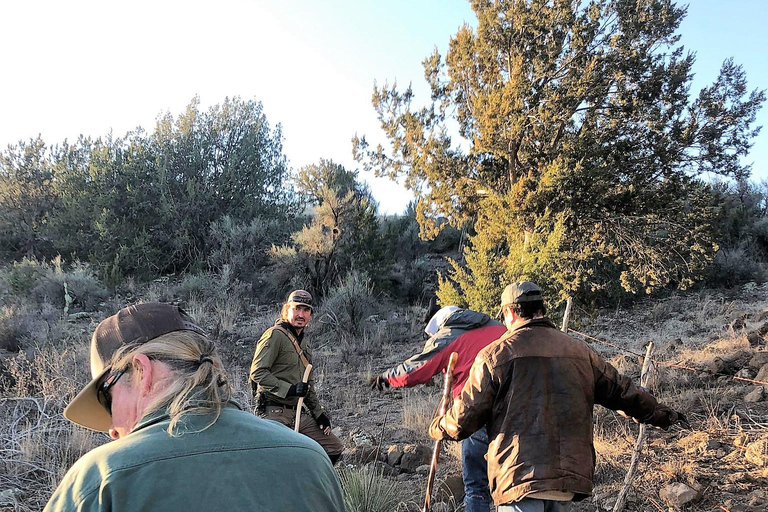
(86, 475)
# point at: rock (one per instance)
(360, 438)
(716, 366)
(394, 455)
(423, 469)
(677, 494)
(758, 497)
(402, 477)
(763, 329)
(713, 444)
(754, 396)
(754, 338)
(745, 373)
(451, 489)
(740, 322)
(757, 452)
(414, 455)
(762, 375)
(758, 360)
(361, 454)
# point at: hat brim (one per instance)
(297, 302)
(86, 410)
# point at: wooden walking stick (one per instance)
(304, 379)
(447, 381)
(645, 375)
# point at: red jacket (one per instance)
(465, 332)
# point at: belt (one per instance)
(284, 406)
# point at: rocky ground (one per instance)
(710, 347)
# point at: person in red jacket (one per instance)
(465, 332)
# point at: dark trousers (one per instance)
(308, 426)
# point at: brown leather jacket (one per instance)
(535, 389)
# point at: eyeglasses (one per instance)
(103, 394)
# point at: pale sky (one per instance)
(75, 67)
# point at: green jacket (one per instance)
(241, 462)
(276, 366)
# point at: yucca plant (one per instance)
(366, 490)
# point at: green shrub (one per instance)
(367, 490)
(23, 276)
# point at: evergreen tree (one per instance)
(583, 147)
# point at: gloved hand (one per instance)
(323, 421)
(299, 389)
(435, 431)
(678, 417)
(378, 382)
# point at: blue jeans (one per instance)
(534, 505)
(477, 496)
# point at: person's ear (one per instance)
(144, 376)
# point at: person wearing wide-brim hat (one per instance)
(159, 389)
(534, 390)
(280, 360)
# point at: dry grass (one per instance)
(37, 446)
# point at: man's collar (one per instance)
(286, 325)
(540, 321)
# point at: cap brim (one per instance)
(86, 410)
(310, 306)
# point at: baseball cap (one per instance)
(518, 293)
(301, 297)
(136, 324)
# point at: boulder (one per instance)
(758, 360)
(754, 396)
(414, 455)
(677, 494)
(757, 452)
(394, 455)
(762, 375)
(423, 469)
(361, 454)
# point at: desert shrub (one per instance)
(735, 266)
(44, 282)
(348, 305)
(11, 328)
(22, 276)
(284, 273)
(367, 490)
(39, 445)
(244, 247)
(215, 300)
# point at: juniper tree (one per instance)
(579, 146)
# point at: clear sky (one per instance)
(87, 67)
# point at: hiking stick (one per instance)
(644, 378)
(443, 408)
(304, 379)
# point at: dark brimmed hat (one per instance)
(302, 297)
(134, 325)
(518, 293)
